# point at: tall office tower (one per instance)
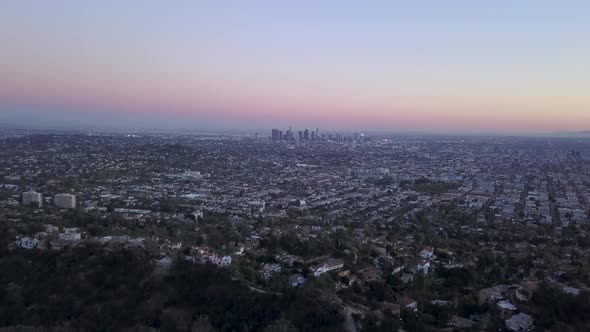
(275, 135)
(306, 135)
(300, 136)
(65, 201)
(281, 135)
(317, 133)
(313, 136)
(32, 198)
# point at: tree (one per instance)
(202, 324)
(281, 325)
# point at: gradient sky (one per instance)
(505, 66)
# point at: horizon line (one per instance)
(266, 131)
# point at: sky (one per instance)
(451, 66)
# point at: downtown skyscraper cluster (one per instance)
(307, 135)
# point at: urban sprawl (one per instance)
(437, 233)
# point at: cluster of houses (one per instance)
(51, 237)
(326, 265)
(505, 299)
(205, 255)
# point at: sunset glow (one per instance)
(445, 66)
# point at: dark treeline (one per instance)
(94, 289)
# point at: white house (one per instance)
(225, 261)
(520, 322)
(198, 214)
(423, 267)
(70, 236)
(427, 252)
(328, 265)
(28, 243)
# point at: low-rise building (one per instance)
(31, 198)
(65, 201)
(520, 322)
(28, 243)
(329, 264)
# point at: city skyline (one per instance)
(454, 67)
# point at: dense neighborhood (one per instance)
(407, 232)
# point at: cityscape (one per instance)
(305, 136)
(412, 232)
(294, 166)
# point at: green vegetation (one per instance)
(429, 186)
(558, 311)
(93, 289)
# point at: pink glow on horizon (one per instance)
(86, 89)
(247, 109)
(444, 67)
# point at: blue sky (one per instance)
(440, 65)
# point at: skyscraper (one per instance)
(276, 135)
(288, 135)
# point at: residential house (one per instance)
(296, 280)
(506, 308)
(407, 303)
(427, 252)
(269, 269)
(28, 243)
(520, 322)
(329, 264)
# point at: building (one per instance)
(70, 234)
(72, 237)
(32, 198)
(408, 303)
(328, 265)
(28, 243)
(65, 201)
(506, 309)
(423, 267)
(276, 135)
(269, 269)
(225, 261)
(257, 206)
(197, 214)
(520, 322)
(296, 280)
(427, 253)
